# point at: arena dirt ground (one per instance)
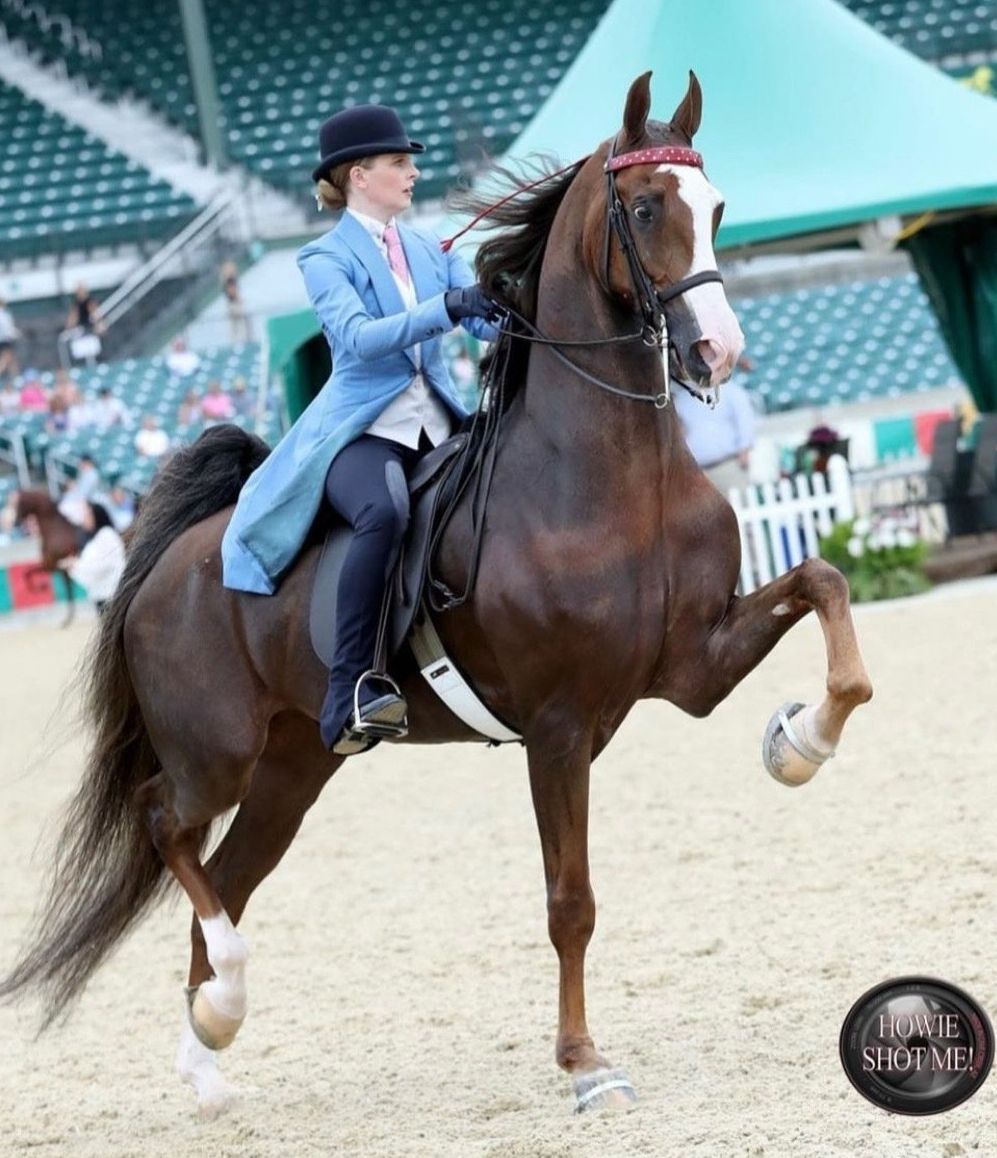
(402, 989)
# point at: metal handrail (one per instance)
(141, 280)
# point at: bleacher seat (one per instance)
(62, 188)
(465, 88)
(935, 30)
(146, 386)
(844, 343)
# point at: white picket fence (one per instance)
(780, 522)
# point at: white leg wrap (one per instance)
(227, 955)
(218, 1006)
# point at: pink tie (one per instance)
(396, 255)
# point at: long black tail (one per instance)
(106, 872)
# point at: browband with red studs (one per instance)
(659, 155)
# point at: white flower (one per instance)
(887, 536)
(861, 527)
(906, 538)
(856, 547)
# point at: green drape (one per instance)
(957, 265)
(300, 354)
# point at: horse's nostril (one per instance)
(711, 352)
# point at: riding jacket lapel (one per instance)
(370, 257)
(420, 265)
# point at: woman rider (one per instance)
(384, 294)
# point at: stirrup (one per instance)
(378, 728)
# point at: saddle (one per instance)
(405, 587)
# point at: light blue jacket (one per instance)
(371, 336)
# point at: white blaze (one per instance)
(722, 340)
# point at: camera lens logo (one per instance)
(916, 1045)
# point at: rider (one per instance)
(385, 293)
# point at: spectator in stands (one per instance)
(100, 564)
(822, 442)
(80, 491)
(109, 411)
(121, 507)
(216, 405)
(238, 318)
(389, 400)
(180, 361)
(190, 409)
(9, 334)
(33, 394)
(10, 399)
(720, 439)
(242, 400)
(152, 441)
(67, 410)
(85, 325)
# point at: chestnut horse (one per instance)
(58, 536)
(607, 575)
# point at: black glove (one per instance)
(471, 302)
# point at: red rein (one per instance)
(658, 155)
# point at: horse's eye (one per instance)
(642, 213)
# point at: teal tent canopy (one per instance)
(817, 130)
(812, 121)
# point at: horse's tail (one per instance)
(106, 871)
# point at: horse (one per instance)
(59, 538)
(608, 573)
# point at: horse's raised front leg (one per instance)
(799, 738)
(286, 782)
(559, 781)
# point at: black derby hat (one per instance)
(361, 131)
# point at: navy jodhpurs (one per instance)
(367, 485)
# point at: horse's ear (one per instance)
(687, 116)
(637, 108)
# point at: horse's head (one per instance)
(673, 213)
(27, 504)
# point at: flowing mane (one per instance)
(508, 265)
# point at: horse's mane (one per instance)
(508, 265)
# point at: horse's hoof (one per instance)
(787, 753)
(213, 1028)
(605, 1089)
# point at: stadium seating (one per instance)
(934, 29)
(466, 81)
(146, 386)
(61, 188)
(844, 343)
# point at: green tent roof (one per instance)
(811, 119)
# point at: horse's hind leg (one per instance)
(799, 738)
(286, 781)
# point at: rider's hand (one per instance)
(471, 302)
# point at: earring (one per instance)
(318, 203)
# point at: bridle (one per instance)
(650, 300)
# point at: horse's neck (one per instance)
(574, 412)
(50, 518)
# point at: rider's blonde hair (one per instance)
(330, 192)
